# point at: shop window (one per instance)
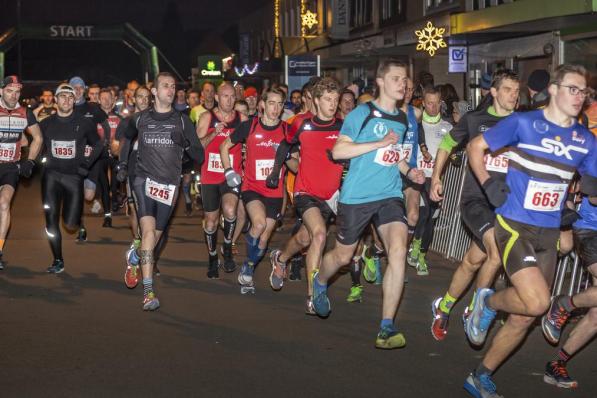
(391, 12)
(361, 13)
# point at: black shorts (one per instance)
(9, 175)
(478, 217)
(147, 206)
(273, 206)
(523, 245)
(585, 241)
(303, 202)
(211, 195)
(353, 219)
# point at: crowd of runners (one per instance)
(359, 170)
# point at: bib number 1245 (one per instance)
(162, 193)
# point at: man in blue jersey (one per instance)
(547, 147)
(585, 236)
(372, 192)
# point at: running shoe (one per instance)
(229, 264)
(439, 327)
(309, 310)
(245, 276)
(214, 264)
(296, 263)
(321, 302)
(132, 258)
(56, 267)
(131, 276)
(150, 302)
(413, 252)
(136, 244)
(107, 222)
(554, 320)
(356, 294)
(556, 374)
(82, 236)
(422, 269)
(370, 268)
(276, 277)
(480, 318)
(389, 339)
(481, 386)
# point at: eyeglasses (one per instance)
(573, 90)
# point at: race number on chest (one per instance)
(64, 149)
(162, 193)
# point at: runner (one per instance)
(47, 106)
(208, 98)
(346, 104)
(163, 135)
(14, 120)
(263, 205)
(93, 93)
(213, 128)
(548, 146)
(433, 130)
(251, 97)
(372, 192)
(476, 208)
(317, 181)
(65, 134)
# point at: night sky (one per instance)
(176, 27)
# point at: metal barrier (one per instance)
(450, 237)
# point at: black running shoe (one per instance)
(214, 264)
(107, 222)
(56, 267)
(229, 264)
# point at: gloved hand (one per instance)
(497, 191)
(83, 171)
(233, 179)
(121, 171)
(26, 168)
(569, 217)
(272, 181)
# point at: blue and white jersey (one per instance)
(374, 175)
(588, 214)
(543, 160)
(410, 145)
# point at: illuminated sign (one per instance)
(430, 39)
(245, 69)
(66, 31)
(208, 68)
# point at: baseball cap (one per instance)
(485, 81)
(76, 81)
(65, 88)
(251, 92)
(538, 80)
(13, 79)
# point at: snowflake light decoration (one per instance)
(309, 19)
(431, 39)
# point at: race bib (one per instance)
(64, 149)
(407, 152)
(8, 152)
(88, 150)
(388, 156)
(263, 168)
(544, 196)
(498, 164)
(215, 163)
(162, 193)
(427, 167)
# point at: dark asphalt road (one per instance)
(83, 333)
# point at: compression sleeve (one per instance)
(281, 156)
(241, 133)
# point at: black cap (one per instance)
(12, 79)
(538, 80)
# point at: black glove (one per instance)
(83, 171)
(272, 181)
(26, 168)
(569, 217)
(497, 191)
(121, 171)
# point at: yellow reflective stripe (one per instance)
(514, 236)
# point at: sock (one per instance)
(566, 303)
(411, 231)
(1, 245)
(229, 226)
(355, 271)
(258, 255)
(387, 324)
(563, 356)
(147, 286)
(482, 369)
(470, 306)
(211, 239)
(447, 303)
(252, 247)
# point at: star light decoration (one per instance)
(309, 19)
(431, 39)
